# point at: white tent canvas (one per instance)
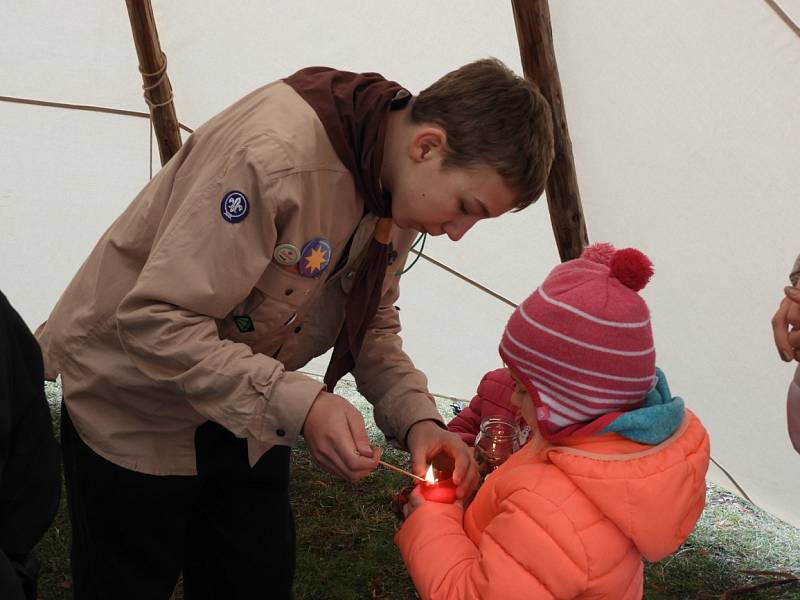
(684, 122)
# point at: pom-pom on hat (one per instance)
(582, 343)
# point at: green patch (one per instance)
(244, 323)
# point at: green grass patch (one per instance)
(345, 531)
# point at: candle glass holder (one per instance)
(443, 490)
(497, 439)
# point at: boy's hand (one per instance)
(337, 439)
(426, 439)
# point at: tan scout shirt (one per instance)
(144, 338)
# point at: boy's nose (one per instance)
(455, 235)
(455, 230)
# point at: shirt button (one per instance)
(351, 274)
(281, 432)
(298, 329)
(288, 291)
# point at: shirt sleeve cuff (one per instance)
(423, 410)
(291, 398)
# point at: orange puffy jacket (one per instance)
(566, 521)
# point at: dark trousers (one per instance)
(229, 530)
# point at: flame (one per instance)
(429, 475)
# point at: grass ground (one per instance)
(345, 549)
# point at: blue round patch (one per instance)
(234, 207)
(314, 258)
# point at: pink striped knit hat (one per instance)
(582, 343)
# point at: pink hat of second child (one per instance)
(582, 343)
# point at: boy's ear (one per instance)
(427, 142)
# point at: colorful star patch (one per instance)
(315, 257)
(234, 207)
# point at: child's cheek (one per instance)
(529, 412)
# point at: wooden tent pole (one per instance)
(157, 88)
(535, 37)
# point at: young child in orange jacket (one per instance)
(615, 469)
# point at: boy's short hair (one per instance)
(492, 117)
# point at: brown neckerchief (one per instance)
(353, 108)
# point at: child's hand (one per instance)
(399, 501)
(416, 499)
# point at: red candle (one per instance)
(438, 490)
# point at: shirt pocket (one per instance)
(271, 311)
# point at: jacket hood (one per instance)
(654, 494)
(655, 420)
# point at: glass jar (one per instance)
(497, 439)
